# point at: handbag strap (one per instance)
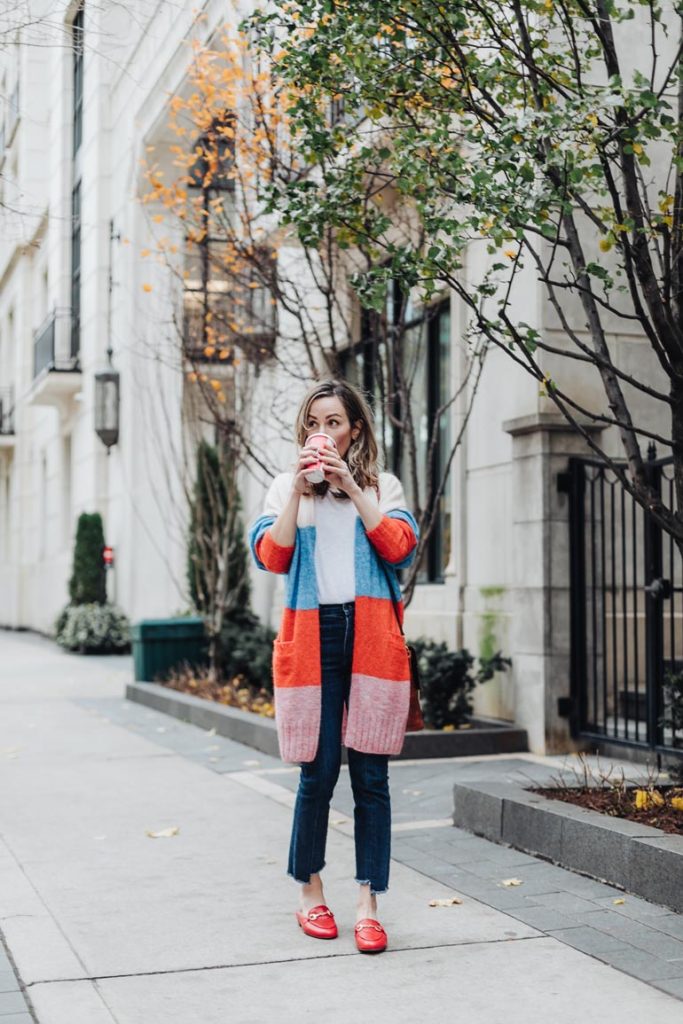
(394, 602)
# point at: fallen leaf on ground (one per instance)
(413, 792)
(449, 902)
(512, 881)
(164, 833)
(339, 821)
(618, 902)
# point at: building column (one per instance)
(540, 629)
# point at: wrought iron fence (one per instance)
(626, 610)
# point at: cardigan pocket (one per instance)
(284, 663)
(397, 657)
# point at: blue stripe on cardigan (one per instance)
(371, 580)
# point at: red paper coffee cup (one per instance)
(315, 474)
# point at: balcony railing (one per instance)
(6, 410)
(55, 344)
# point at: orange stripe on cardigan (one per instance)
(274, 556)
(392, 539)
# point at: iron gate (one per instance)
(626, 609)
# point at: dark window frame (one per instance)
(77, 30)
(366, 353)
(75, 270)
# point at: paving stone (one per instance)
(636, 908)
(589, 940)
(12, 1002)
(543, 918)
(674, 986)
(640, 964)
(672, 924)
(8, 981)
(17, 1018)
(565, 903)
(658, 943)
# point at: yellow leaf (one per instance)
(216, 385)
(677, 803)
(637, 148)
(451, 901)
(512, 881)
(642, 799)
(146, 287)
(158, 218)
(209, 350)
(164, 833)
(605, 244)
(617, 903)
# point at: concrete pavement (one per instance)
(104, 924)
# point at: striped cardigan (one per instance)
(380, 672)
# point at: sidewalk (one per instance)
(105, 924)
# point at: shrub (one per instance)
(88, 578)
(247, 650)
(448, 678)
(214, 515)
(93, 628)
(673, 717)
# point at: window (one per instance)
(77, 43)
(420, 339)
(76, 271)
(227, 298)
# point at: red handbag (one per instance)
(415, 721)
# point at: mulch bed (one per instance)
(235, 693)
(621, 803)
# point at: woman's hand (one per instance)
(337, 472)
(307, 458)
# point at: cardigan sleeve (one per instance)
(396, 535)
(267, 553)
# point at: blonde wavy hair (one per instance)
(362, 455)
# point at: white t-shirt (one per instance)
(335, 531)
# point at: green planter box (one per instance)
(160, 645)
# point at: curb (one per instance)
(260, 733)
(638, 858)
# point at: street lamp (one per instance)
(107, 407)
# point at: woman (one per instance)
(340, 665)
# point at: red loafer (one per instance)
(370, 936)
(319, 923)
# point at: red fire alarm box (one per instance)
(108, 557)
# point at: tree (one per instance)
(524, 128)
(88, 583)
(218, 574)
(257, 289)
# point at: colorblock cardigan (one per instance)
(380, 673)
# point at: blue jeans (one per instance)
(369, 772)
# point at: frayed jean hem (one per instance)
(373, 892)
(300, 881)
